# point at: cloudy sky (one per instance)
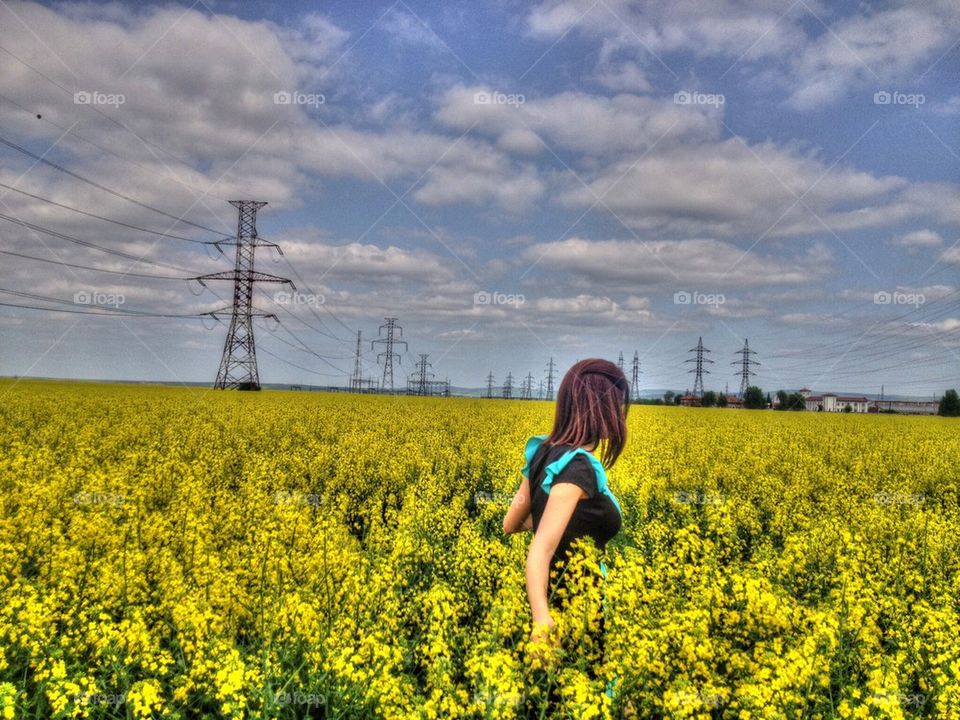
(514, 181)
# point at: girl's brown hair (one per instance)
(592, 405)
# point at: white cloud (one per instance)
(577, 121)
(703, 265)
(918, 239)
(727, 188)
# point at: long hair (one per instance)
(592, 405)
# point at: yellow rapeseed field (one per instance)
(177, 552)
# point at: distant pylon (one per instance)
(238, 366)
(550, 368)
(540, 390)
(635, 376)
(388, 354)
(745, 362)
(526, 392)
(508, 387)
(620, 361)
(421, 381)
(490, 384)
(355, 379)
(699, 359)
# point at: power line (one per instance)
(94, 108)
(101, 309)
(95, 269)
(107, 219)
(104, 314)
(102, 148)
(115, 193)
(87, 243)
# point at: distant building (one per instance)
(734, 402)
(831, 402)
(906, 407)
(690, 401)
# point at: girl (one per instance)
(564, 493)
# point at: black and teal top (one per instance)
(597, 515)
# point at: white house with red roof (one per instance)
(831, 402)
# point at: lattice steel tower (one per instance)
(550, 368)
(745, 362)
(635, 376)
(526, 388)
(422, 379)
(508, 387)
(388, 354)
(490, 384)
(620, 361)
(238, 367)
(699, 359)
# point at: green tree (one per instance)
(753, 398)
(783, 400)
(668, 397)
(848, 408)
(797, 402)
(949, 404)
(709, 399)
(722, 400)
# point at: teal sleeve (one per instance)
(529, 451)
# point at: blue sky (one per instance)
(612, 175)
